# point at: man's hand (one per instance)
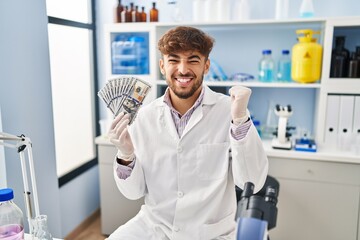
(119, 136)
(239, 100)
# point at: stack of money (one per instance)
(124, 94)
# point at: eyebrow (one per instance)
(190, 57)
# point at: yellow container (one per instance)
(306, 58)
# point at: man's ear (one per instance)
(161, 65)
(207, 66)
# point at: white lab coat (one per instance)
(188, 181)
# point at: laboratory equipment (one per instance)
(40, 228)
(241, 10)
(307, 9)
(117, 11)
(354, 66)
(282, 9)
(154, 13)
(282, 139)
(198, 10)
(11, 217)
(130, 53)
(306, 57)
(339, 58)
(256, 214)
(266, 67)
(284, 67)
(23, 143)
(143, 15)
(305, 145)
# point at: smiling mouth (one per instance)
(183, 80)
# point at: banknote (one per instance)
(124, 94)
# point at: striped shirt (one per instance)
(237, 132)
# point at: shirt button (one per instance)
(179, 149)
(180, 194)
(176, 229)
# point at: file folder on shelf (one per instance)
(346, 117)
(356, 125)
(332, 120)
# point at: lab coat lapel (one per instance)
(195, 118)
(168, 122)
(200, 112)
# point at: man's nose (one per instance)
(183, 67)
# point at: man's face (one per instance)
(184, 72)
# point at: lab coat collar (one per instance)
(210, 98)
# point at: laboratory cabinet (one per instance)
(318, 199)
(319, 192)
(116, 209)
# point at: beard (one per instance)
(185, 94)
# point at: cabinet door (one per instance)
(316, 210)
(116, 210)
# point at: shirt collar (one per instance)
(197, 103)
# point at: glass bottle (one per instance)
(118, 10)
(284, 67)
(132, 12)
(128, 15)
(266, 67)
(40, 228)
(123, 14)
(354, 66)
(339, 59)
(154, 13)
(307, 9)
(143, 15)
(11, 217)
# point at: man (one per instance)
(176, 153)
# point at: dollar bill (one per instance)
(124, 94)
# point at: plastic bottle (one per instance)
(118, 9)
(241, 10)
(198, 10)
(143, 15)
(11, 217)
(266, 67)
(223, 10)
(306, 57)
(154, 13)
(284, 67)
(282, 9)
(339, 59)
(307, 9)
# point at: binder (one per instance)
(346, 118)
(356, 124)
(332, 120)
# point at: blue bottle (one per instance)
(266, 67)
(284, 67)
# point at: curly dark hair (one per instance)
(185, 39)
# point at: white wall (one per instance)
(26, 105)
(25, 99)
(3, 183)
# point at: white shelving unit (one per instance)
(319, 192)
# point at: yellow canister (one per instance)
(306, 58)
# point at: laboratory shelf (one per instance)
(252, 84)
